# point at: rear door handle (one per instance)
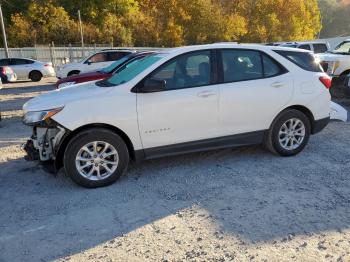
(205, 94)
(277, 84)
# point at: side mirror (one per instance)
(89, 62)
(152, 86)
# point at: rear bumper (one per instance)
(49, 73)
(319, 125)
(11, 77)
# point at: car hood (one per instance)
(332, 57)
(60, 97)
(74, 64)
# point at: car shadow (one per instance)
(16, 90)
(13, 104)
(249, 194)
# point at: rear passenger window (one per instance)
(240, 65)
(4, 62)
(304, 60)
(15, 61)
(320, 48)
(271, 67)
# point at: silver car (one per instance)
(28, 68)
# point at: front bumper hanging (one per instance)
(43, 143)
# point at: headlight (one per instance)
(65, 84)
(33, 117)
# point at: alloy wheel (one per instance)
(97, 160)
(292, 134)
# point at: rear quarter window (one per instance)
(304, 60)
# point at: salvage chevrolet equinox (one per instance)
(182, 100)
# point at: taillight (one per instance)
(3, 70)
(47, 65)
(326, 81)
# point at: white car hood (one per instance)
(72, 64)
(332, 57)
(60, 97)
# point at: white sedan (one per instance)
(184, 100)
(28, 68)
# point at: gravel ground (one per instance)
(240, 204)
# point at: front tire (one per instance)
(289, 133)
(96, 158)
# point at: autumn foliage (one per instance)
(161, 22)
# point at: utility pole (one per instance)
(81, 32)
(4, 33)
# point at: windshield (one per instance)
(133, 69)
(111, 67)
(342, 48)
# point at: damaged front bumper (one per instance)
(44, 143)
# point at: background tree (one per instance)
(161, 22)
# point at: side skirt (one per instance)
(251, 138)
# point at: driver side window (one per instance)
(185, 71)
(97, 58)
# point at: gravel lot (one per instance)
(239, 204)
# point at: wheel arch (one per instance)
(306, 111)
(70, 135)
(346, 72)
(73, 71)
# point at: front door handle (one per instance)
(277, 84)
(205, 94)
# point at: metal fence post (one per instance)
(52, 56)
(70, 53)
(35, 52)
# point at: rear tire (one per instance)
(4, 79)
(96, 158)
(35, 76)
(289, 133)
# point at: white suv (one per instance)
(185, 100)
(94, 62)
(336, 63)
(314, 46)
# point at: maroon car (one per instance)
(103, 73)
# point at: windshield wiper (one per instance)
(104, 83)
